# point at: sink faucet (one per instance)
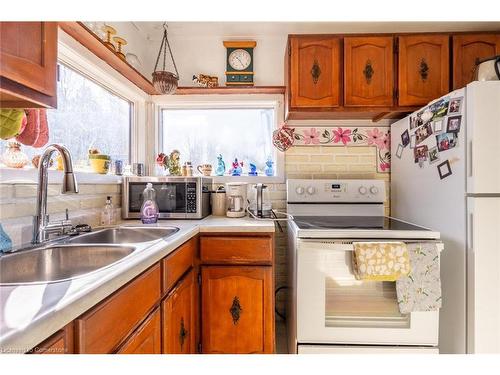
(41, 225)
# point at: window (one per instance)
(201, 134)
(87, 115)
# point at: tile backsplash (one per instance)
(18, 205)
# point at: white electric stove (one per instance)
(329, 310)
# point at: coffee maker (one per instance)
(236, 193)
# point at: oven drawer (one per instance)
(344, 349)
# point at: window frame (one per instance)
(225, 102)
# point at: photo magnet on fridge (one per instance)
(405, 138)
(412, 141)
(420, 153)
(444, 169)
(423, 132)
(455, 105)
(434, 155)
(399, 151)
(453, 124)
(438, 126)
(445, 141)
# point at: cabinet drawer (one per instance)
(60, 342)
(102, 328)
(146, 339)
(237, 250)
(176, 264)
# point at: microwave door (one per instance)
(171, 197)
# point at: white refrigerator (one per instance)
(445, 175)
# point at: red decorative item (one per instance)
(283, 138)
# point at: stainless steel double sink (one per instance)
(77, 256)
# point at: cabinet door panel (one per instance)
(237, 310)
(467, 50)
(368, 71)
(146, 339)
(315, 72)
(28, 54)
(423, 68)
(179, 328)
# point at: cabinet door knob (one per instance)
(424, 69)
(368, 71)
(315, 71)
(235, 310)
(182, 333)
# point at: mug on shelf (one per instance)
(205, 169)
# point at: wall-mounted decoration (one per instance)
(348, 136)
(453, 124)
(456, 105)
(239, 62)
(444, 169)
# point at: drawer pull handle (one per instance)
(183, 333)
(424, 69)
(315, 71)
(235, 310)
(368, 71)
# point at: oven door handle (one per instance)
(349, 246)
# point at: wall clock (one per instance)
(239, 62)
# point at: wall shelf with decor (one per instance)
(230, 90)
(88, 39)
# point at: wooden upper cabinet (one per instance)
(237, 310)
(179, 314)
(315, 72)
(423, 68)
(467, 50)
(28, 62)
(368, 71)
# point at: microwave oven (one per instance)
(177, 197)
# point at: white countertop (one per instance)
(31, 313)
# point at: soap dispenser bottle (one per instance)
(107, 213)
(149, 209)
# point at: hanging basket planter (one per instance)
(165, 82)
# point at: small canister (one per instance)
(219, 201)
(118, 167)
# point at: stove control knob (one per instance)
(374, 190)
(362, 190)
(299, 190)
(311, 190)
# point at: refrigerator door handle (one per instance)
(469, 164)
(471, 231)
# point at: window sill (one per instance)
(30, 176)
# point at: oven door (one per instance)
(333, 307)
(171, 198)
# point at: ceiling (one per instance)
(152, 30)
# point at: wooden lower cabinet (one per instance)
(178, 315)
(237, 309)
(61, 342)
(146, 339)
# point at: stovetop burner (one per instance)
(353, 222)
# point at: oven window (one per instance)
(356, 303)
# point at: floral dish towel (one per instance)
(421, 289)
(380, 261)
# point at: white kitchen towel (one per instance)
(421, 289)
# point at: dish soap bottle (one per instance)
(149, 209)
(107, 213)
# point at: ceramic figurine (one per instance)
(221, 166)
(269, 170)
(174, 163)
(253, 170)
(237, 168)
